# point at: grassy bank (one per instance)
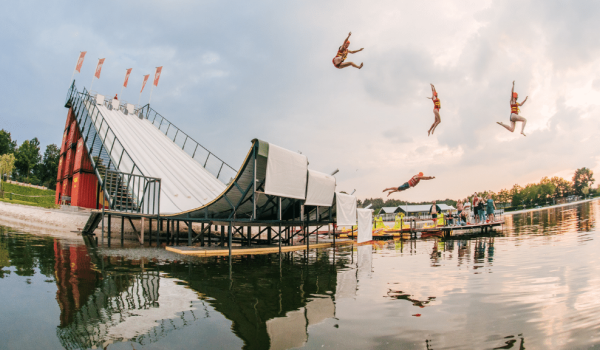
(28, 196)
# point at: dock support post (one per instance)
(229, 238)
(334, 235)
(142, 220)
(108, 232)
(249, 235)
(168, 231)
(189, 223)
(122, 230)
(268, 235)
(158, 225)
(177, 232)
(202, 236)
(222, 243)
(280, 236)
(150, 232)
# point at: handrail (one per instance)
(215, 165)
(132, 193)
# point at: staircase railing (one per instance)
(108, 156)
(201, 154)
(132, 193)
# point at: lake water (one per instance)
(533, 284)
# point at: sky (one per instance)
(235, 71)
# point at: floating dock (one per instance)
(254, 249)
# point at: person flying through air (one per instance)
(338, 60)
(514, 112)
(436, 110)
(410, 183)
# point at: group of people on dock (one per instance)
(476, 211)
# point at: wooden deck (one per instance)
(255, 249)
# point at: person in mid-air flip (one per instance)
(410, 183)
(436, 110)
(338, 60)
(514, 112)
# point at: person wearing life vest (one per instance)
(436, 110)
(410, 183)
(116, 97)
(514, 112)
(340, 57)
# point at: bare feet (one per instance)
(429, 132)
(499, 123)
(523, 134)
(361, 65)
(389, 194)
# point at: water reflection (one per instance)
(524, 281)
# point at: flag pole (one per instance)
(151, 94)
(75, 69)
(92, 84)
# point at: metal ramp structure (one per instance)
(147, 167)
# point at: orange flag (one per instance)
(127, 77)
(80, 61)
(157, 75)
(99, 68)
(144, 83)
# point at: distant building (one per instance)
(389, 213)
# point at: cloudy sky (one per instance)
(234, 71)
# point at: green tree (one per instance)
(7, 164)
(582, 178)
(562, 187)
(516, 197)
(47, 170)
(7, 145)
(27, 156)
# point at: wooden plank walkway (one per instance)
(255, 249)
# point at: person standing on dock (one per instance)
(491, 208)
(514, 112)
(340, 57)
(481, 210)
(434, 210)
(410, 183)
(467, 210)
(474, 207)
(436, 110)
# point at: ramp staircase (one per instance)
(124, 187)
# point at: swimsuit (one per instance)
(436, 104)
(343, 54)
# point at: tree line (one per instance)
(30, 165)
(547, 191)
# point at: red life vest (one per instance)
(414, 181)
(436, 103)
(514, 108)
(343, 53)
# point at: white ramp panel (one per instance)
(365, 225)
(320, 189)
(345, 206)
(286, 173)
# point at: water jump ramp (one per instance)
(147, 167)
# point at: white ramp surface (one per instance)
(185, 184)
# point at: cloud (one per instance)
(233, 73)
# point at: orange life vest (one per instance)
(436, 103)
(413, 181)
(514, 108)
